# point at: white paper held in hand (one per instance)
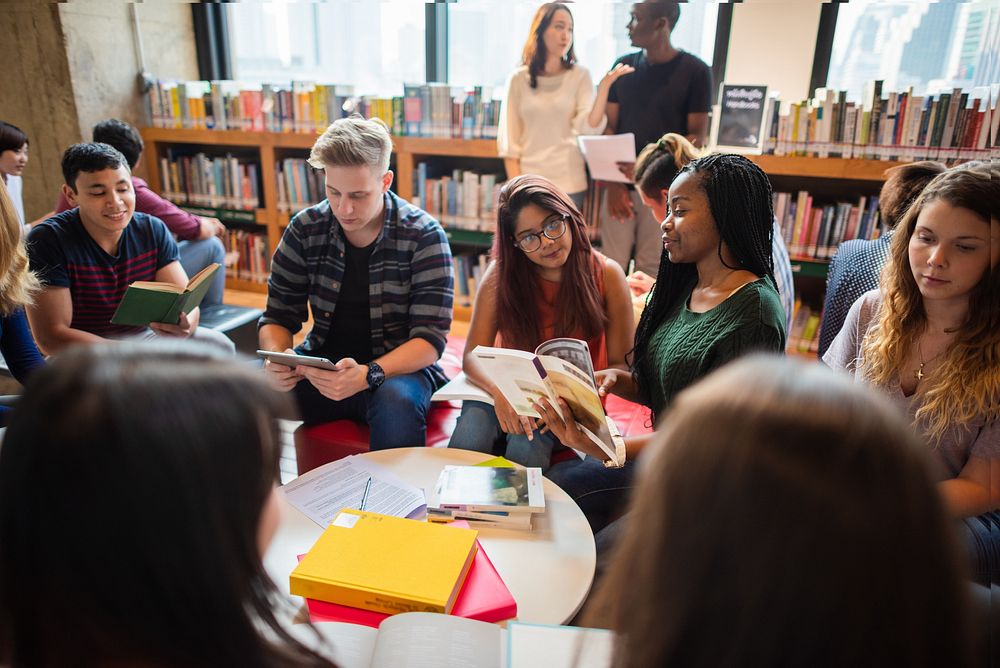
(604, 152)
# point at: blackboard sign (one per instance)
(739, 118)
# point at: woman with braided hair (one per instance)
(714, 300)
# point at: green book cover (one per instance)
(149, 301)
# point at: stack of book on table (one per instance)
(367, 566)
(488, 497)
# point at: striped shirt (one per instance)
(64, 255)
(854, 270)
(410, 279)
(783, 275)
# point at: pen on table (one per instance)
(364, 497)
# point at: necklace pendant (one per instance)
(919, 373)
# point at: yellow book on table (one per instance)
(387, 564)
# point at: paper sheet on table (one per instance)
(604, 152)
(323, 492)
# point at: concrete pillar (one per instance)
(76, 63)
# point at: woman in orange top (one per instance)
(545, 281)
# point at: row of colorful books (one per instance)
(463, 199)
(469, 270)
(254, 263)
(424, 110)
(213, 181)
(896, 125)
(803, 339)
(299, 185)
(814, 230)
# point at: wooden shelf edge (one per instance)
(824, 168)
(245, 286)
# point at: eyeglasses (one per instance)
(553, 228)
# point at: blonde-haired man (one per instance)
(377, 274)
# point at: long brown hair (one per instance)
(533, 54)
(966, 385)
(17, 284)
(786, 517)
(581, 308)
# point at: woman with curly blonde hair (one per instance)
(929, 337)
(17, 287)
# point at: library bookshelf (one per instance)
(270, 147)
(833, 175)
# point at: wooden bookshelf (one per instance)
(271, 147)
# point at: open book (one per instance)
(418, 639)
(151, 301)
(559, 368)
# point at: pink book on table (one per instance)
(484, 597)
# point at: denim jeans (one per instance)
(196, 255)
(396, 413)
(601, 493)
(479, 429)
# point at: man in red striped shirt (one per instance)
(86, 257)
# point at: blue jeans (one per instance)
(196, 255)
(396, 413)
(601, 493)
(479, 429)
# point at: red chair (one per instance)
(323, 443)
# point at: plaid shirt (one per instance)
(411, 284)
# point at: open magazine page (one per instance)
(574, 351)
(580, 393)
(515, 375)
(523, 378)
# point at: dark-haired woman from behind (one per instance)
(545, 282)
(137, 494)
(785, 517)
(714, 300)
(17, 288)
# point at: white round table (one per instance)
(548, 570)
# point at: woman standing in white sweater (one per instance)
(549, 102)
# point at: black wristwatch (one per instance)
(376, 376)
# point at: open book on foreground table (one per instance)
(419, 639)
(559, 368)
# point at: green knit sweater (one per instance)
(688, 345)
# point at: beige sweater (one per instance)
(539, 126)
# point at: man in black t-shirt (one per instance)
(670, 91)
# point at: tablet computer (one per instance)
(292, 360)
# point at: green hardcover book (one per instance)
(151, 301)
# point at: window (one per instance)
(932, 46)
(373, 46)
(485, 37)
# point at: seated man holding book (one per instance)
(377, 274)
(87, 257)
(197, 236)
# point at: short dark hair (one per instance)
(903, 184)
(90, 157)
(122, 136)
(11, 137)
(671, 11)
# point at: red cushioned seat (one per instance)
(320, 444)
